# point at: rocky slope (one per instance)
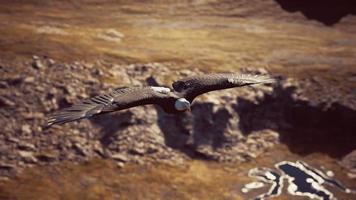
(211, 131)
(230, 125)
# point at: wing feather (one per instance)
(118, 99)
(191, 87)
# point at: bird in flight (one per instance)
(176, 100)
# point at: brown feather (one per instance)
(191, 87)
(118, 99)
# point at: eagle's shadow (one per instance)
(111, 126)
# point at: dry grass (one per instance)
(153, 33)
(100, 179)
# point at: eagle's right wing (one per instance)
(118, 99)
(191, 87)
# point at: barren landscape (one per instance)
(55, 53)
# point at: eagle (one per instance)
(173, 100)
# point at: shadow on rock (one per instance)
(190, 130)
(200, 128)
(111, 124)
(305, 128)
(328, 12)
(209, 126)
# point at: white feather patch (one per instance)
(163, 90)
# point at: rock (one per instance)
(185, 72)
(255, 70)
(5, 102)
(26, 146)
(7, 166)
(33, 115)
(100, 152)
(26, 129)
(51, 61)
(29, 79)
(37, 64)
(330, 173)
(25, 153)
(14, 80)
(3, 84)
(46, 157)
(349, 162)
(137, 151)
(120, 164)
(152, 149)
(352, 174)
(107, 153)
(80, 149)
(40, 88)
(98, 72)
(13, 140)
(113, 33)
(28, 157)
(4, 178)
(261, 71)
(70, 90)
(120, 157)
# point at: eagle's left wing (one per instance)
(191, 87)
(119, 99)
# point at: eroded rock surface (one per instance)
(349, 162)
(230, 125)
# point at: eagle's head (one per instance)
(182, 104)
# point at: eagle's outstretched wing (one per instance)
(191, 87)
(118, 99)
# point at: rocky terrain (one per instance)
(55, 54)
(141, 134)
(228, 126)
(231, 126)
